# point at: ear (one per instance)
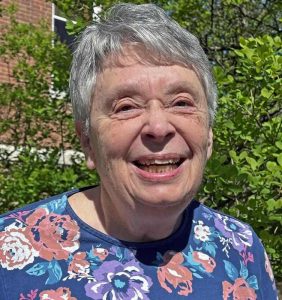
(210, 143)
(85, 145)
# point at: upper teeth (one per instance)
(158, 161)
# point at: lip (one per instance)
(159, 177)
(165, 156)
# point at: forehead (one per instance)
(133, 53)
(136, 53)
(129, 72)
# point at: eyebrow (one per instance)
(129, 89)
(134, 89)
(181, 87)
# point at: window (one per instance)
(59, 27)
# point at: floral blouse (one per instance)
(47, 252)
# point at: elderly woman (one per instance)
(144, 101)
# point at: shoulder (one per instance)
(20, 229)
(229, 229)
(241, 251)
(29, 232)
(56, 203)
(226, 225)
(230, 236)
(210, 213)
(36, 236)
(220, 219)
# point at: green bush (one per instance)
(244, 175)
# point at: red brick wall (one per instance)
(28, 11)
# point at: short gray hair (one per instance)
(131, 24)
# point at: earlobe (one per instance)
(85, 145)
(83, 138)
(90, 162)
(210, 143)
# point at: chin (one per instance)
(164, 199)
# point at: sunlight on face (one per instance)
(149, 132)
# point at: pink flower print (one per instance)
(53, 236)
(16, 250)
(207, 262)
(101, 253)
(32, 295)
(172, 274)
(238, 291)
(79, 264)
(61, 293)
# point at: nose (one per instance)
(157, 127)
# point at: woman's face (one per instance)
(149, 134)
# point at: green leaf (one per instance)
(279, 159)
(266, 93)
(271, 203)
(271, 166)
(239, 53)
(233, 154)
(252, 162)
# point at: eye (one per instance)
(181, 103)
(124, 108)
(185, 103)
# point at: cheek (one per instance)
(195, 133)
(115, 137)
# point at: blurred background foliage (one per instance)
(243, 41)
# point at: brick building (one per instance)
(30, 11)
(33, 11)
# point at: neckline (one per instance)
(184, 227)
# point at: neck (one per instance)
(136, 223)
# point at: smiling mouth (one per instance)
(158, 166)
